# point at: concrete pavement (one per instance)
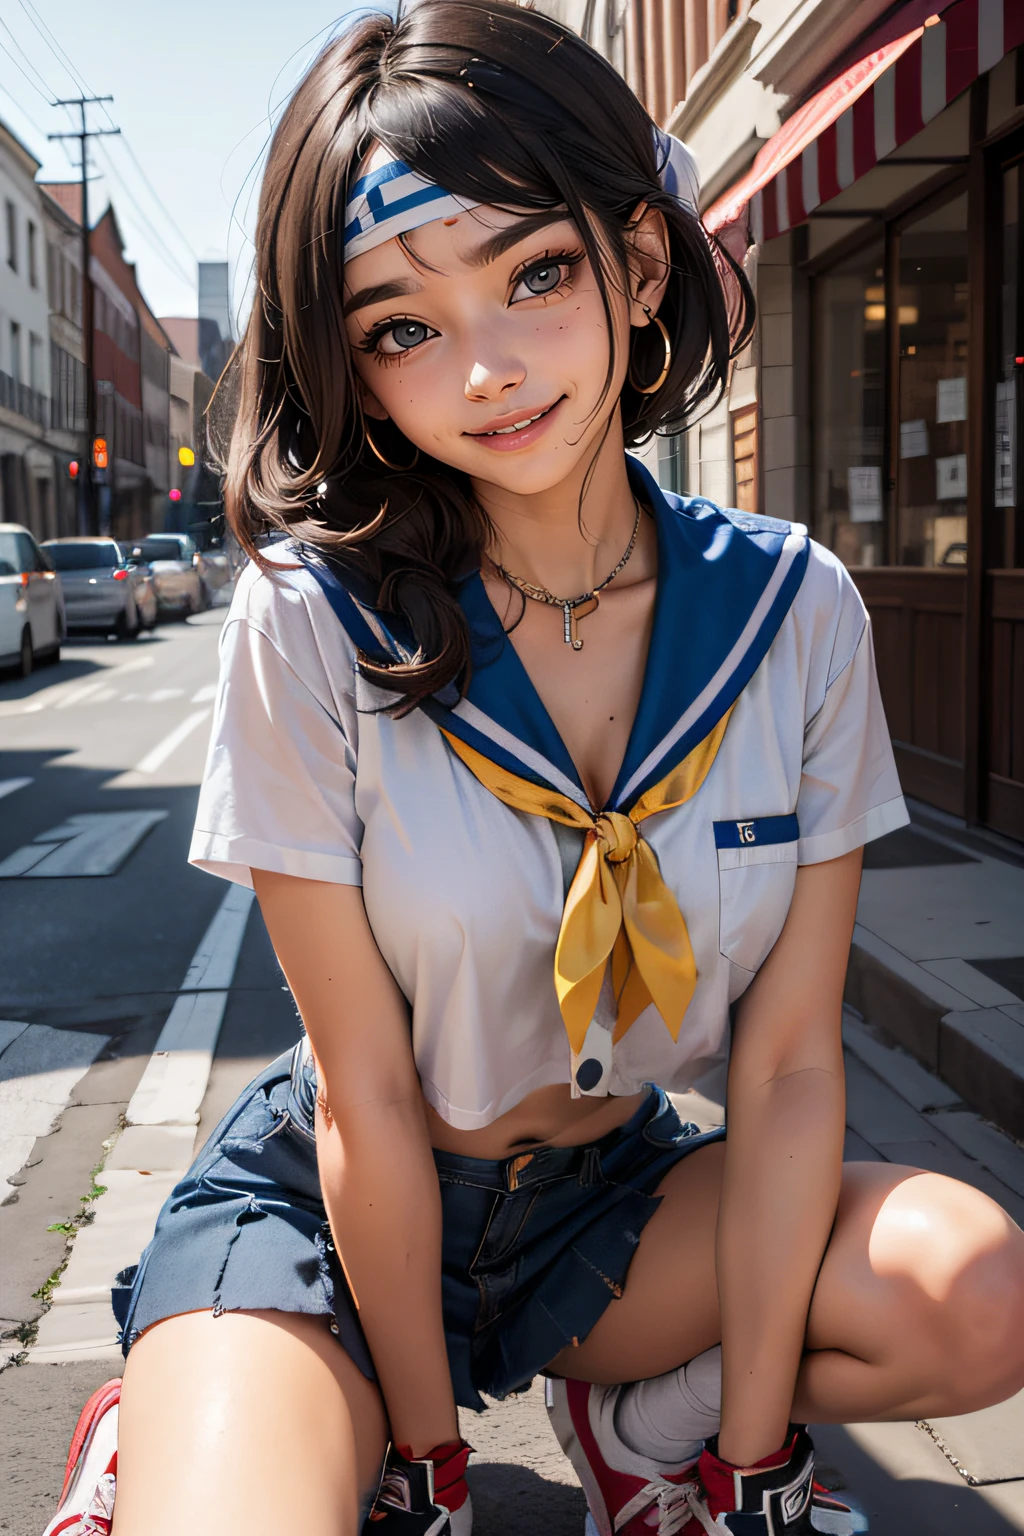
(98, 965)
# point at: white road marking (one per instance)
(8, 786)
(39, 1067)
(213, 964)
(94, 843)
(161, 695)
(162, 1117)
(79, 695)
(163, 749)
(206, 694)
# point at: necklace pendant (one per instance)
(574, 612)
(569, 627)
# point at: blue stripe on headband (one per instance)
(391, 199)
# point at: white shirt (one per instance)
(306, 776)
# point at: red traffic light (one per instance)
(99, 452)
(73, 469)
(175, 495)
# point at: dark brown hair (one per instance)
(497, 104)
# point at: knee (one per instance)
(961, 1261)
(984, 1312)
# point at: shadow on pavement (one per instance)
(516, 1501)
(907, 1506)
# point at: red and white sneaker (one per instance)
(627, 1495)
(778, 1496)
(86, 1506)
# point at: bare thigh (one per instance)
(244, 1424)
(918, 1306)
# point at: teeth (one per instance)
(516, 426)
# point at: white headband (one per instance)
(390, 199)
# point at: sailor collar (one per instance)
(725, 582)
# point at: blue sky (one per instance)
(194, 86)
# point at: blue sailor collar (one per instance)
(726, 581)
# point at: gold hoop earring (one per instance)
(401, 469)
(650, 389)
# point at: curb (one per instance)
(978, 1051)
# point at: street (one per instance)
(114, 949)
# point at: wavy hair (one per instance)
(500, 105)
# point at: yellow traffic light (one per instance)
(99, 452)
(186, 457)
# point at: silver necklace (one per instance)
(573, 608)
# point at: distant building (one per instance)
(216, 327)
(131, 363)
(68, 404)
(26, 463)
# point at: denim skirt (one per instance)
(534, 1247)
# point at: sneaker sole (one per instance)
(93, 1445)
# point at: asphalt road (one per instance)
(92, 966)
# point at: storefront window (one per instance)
(849, 506)
(1007, 535)
(931, 452)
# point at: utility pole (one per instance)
(89, 485)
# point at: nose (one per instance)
(492, 380)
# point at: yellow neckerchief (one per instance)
(618, 904)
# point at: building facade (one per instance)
(868, 161)
(68, 403)
(26, 464)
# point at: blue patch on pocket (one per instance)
(756, 833)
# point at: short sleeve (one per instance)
(849, 786)
(279, 787)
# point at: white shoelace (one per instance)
(676, 1505)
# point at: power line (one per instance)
(157, 244)
(58, 52)
(28, 77)
(157, 199)
(68, 65)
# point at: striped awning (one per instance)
(871, 109)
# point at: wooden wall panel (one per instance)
(918, 621)
(1003, 687)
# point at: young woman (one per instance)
(551, 787)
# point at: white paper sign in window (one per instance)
(1006, 432)
(914, 440)
(864, 490)
(951, 399)
(951, 477)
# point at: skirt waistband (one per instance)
(510, 1173)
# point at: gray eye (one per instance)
(543, 279)
(407, 334)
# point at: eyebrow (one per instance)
(480, 256)
(490, 250)
(378, 292)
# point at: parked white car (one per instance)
(31, 602)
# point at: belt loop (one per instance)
(515, 1167)
(590, 1167)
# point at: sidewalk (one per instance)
(938, 957)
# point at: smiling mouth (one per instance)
(518, 426)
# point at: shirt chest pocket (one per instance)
(756, 875)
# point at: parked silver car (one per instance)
(31, 602)
(174, 561)
(144, 583)
(101, 590)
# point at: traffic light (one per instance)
(186, 456)
(73, 469)
(100, 457)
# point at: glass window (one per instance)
(849, 506)
(101, 556)
(10, 559)
(931, 451)
(1005, 535)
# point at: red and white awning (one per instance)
(871, 109)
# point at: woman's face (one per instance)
(484, 338)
